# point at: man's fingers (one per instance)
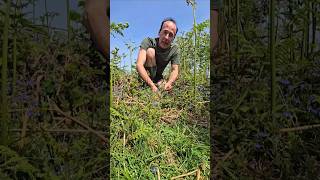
(168, 87)
(154, 89)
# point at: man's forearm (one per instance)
(173, 76)
(214, 28)
(144, 75)
(97, 23)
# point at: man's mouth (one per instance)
(165, 43)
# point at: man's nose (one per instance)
(167, 36)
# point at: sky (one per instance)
(58, 6)
(145, 17)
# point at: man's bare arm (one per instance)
(142, 55)
(214, 28)
(173, 77)
(97, 23)
(174, 73)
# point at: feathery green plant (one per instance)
(193, 5)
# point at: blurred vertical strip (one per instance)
(97, 22)
(4, 83)
(215, 5)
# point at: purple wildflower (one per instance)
(284, 82)
(258, 146)
(29, 83)
(29, 112)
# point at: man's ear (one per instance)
(175, 35)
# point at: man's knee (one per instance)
(151, 53)
(151, 57)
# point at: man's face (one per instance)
(167, 34)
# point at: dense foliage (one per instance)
(251, 142)
(55, 96)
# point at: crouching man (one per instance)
(156, 53)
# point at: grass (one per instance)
(155, 131)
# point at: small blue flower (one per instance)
(22, 97)
(29, 113)
(258, 146)
(284, 82)
(29, 83)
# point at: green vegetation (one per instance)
(166, 132)
(53, 99)
(267, 108)
(148, 133)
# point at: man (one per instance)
(155, 54)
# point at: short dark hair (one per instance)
(169, 19)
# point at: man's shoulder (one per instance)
(175, 53)
(148, 42)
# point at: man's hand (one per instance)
(168, 86)
(154, 88)
(172, 78)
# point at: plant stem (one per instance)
(68, 20)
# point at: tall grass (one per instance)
(193, 5)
